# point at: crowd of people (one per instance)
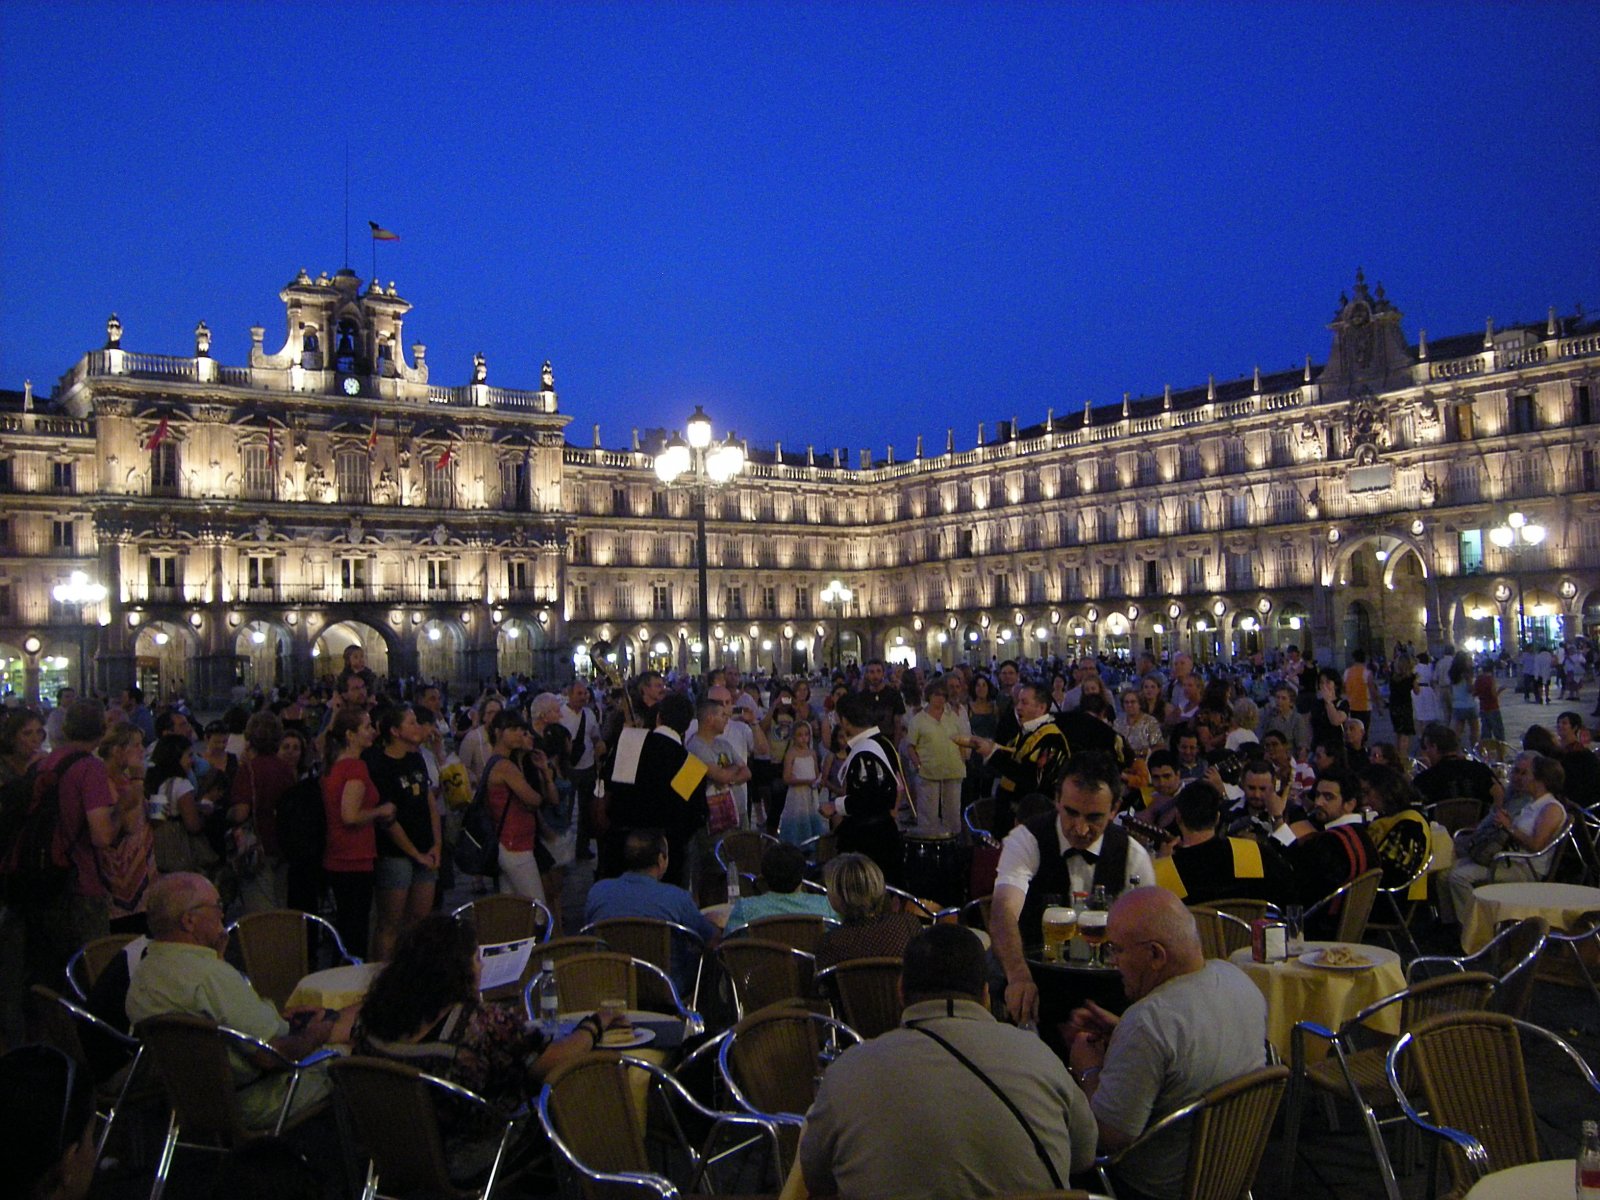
(1137, 785)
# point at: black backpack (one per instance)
(33, 868)
(303, 824)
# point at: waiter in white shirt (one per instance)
(1069, 850)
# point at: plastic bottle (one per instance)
(1588, 1181)
(733, 886)
(549, 997)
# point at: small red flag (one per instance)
(272, 445)
(159, 436)
(372, 437)
(380, 234)
(444, 459)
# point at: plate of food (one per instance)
(625, 1037)
(1338, 958)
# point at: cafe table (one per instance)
(717, 914)
(336, 987)
(1562, 904)
(1297, 991)
(1557, 1177)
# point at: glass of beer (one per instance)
(1092, 925)
(1060, 926)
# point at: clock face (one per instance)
(351, 386)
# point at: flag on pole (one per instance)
(272, 446)
(372, 436)
(159, 436)
(444, 459)
(380, 234)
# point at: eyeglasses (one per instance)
(1112, 950)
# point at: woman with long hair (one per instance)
(352, 807)
(127, 867)
(424, 1010)
(1463, 704)
(175, 810)
(21, 736)
(983, 715)
(475, 745)
(406, 871)
(514, 805)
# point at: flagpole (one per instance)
(347, 200)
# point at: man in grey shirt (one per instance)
(903, 1116)
(1191, 1026)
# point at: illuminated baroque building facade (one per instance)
(247, 523)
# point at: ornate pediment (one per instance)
(1368, 347)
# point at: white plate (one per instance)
(641, 1037)
(1313, 958)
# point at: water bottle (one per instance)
(733, 885)
(549, 998)
(1588, 1182)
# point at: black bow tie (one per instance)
(1087, 856)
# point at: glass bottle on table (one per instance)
(1588, 1173)
(549, 998)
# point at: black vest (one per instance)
(1053, 879)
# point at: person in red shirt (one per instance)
(1487, 690)
(258, 784)
(352, 805)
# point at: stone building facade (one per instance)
(247, 523)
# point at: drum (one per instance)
(934, 867)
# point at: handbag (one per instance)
(1487, 841)
(723, 814)
(477, 850)
(245, 854)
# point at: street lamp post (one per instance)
(696, 462)
(80, 590)
(836, 595)
(1516, 535)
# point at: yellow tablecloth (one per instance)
(1444, 849)
(1562, 904)
(1557, 1177)
(337, 987)
(1296, 992)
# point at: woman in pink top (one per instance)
(350, 801)
(514, 805)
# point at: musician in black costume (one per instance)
(874, 780)
(1031, 762)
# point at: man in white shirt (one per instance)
(580, 722)
(1072, 849)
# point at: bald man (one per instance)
(183, 972)
(1192, 1024)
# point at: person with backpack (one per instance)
(48, 845)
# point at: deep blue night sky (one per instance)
(834, 223)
